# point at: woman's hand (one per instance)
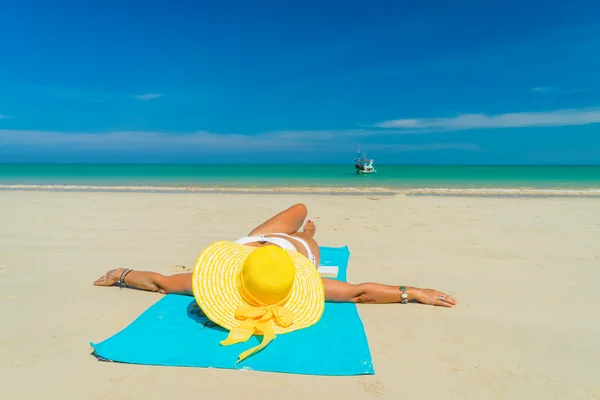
(376, 293)
(434, 298)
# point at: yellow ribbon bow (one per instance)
(257, 320)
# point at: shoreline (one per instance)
(357, 191)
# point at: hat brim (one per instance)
(215, 287)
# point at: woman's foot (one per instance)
(110, 278)
(310, 228)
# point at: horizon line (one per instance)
(299, 163)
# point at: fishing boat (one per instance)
(363, 165)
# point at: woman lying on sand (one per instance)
(277, 231)
(268, 282)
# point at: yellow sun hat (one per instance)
(257, 291)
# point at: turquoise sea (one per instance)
(330, 176)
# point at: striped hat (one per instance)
(257, 291)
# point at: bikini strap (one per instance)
(311, 256)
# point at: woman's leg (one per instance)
(150, 281)
(308, 234)
(288, 221)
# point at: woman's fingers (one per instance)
(436, 298)
(450, 299)
(445, 300)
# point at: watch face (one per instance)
(404, 295)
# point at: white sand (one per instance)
(525, 271)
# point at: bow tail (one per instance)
(268, 336)
(240, 333)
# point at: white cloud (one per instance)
(132, 140)
(2, 116)
(148, 96)
(203, 141)
(552, 89)
(543, 89)
(570, 117)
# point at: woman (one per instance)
(283, 230)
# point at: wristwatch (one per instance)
(404, 295)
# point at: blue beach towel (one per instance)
(172, 333)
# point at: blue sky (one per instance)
(464, 82)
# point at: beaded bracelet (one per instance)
(404, 295)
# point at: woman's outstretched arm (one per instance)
(150, 281)
(376, 293)
(336, 291)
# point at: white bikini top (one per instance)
(281, 242)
